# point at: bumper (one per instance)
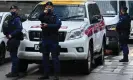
(63, 56)
(69, 50)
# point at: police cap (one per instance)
(13, 7)
(49, 3)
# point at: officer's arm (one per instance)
(56, 25)
(120, 23)
(18, 24)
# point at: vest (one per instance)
(12, 27)
(49, 32)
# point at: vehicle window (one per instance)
(94, 13)
(69, 12)
(5, 23)
(96, 9)
(130, 3)
(107, 7)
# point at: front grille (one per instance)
(36, 36)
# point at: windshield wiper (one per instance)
(72, 17)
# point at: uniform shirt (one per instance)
(18, 26)
(124, 24)
(14, 27)
(53, 25)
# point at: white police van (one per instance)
(110, 10)
(82, 35)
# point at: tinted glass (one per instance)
(107, 7)
(93, 12)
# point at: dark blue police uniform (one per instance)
(123, 29)
(14, 29)
(50, 40)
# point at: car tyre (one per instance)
(101, 59)
(88, 64)
(2, 53)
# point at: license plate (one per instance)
(36, 47)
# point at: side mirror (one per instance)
(95, 20)
(24, 17)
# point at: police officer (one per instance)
(50, 26)
(123, 29)
(14, 35)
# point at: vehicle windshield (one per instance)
(107, 7)
(69, 12)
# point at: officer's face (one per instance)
(49, 7)
(122, 11)
(14, 10)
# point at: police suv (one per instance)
(82, 35)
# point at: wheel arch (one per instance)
(3, 43)
(91, 44)
(104, 38)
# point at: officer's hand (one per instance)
(45, 11)
(9, 36)
(43, 25)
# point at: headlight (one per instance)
(25, 34)
(111, 27)
(75, 34)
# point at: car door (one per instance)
(93, 14)
(90, 12)
(98, 26)
(1, 23)
(4, 24)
